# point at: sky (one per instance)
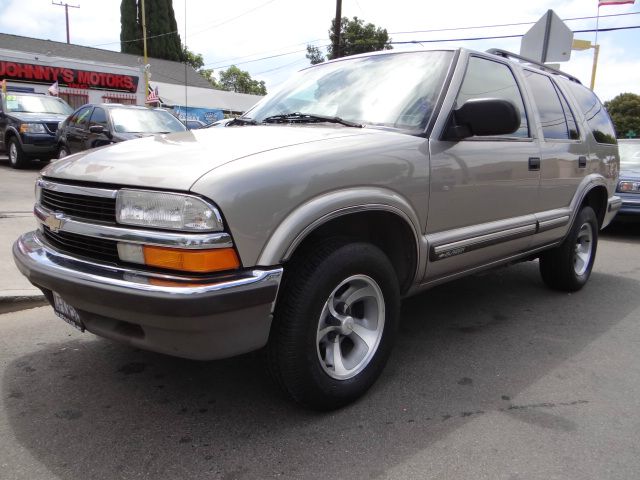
(245, 32)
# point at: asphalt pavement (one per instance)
(492, 377)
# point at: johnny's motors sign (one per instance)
(67, 77)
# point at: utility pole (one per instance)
(66, 13)
(336, 29)
(146, 66)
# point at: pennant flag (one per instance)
(602, 3)
(4, 85)
(153, 96)
(53, 89)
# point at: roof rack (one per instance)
(542, 66)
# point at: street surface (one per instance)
(492, 377)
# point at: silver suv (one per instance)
(302, 225)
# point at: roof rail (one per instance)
(542, 66)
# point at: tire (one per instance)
(62, 152)
(568, 266)
(17, 158)
(319, 318)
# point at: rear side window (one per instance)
(488, 79)
(555, 116)
(595, 114)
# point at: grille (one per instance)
(83, 246)
(80, 206)
(52, 127)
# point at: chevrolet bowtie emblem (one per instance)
(54, 222)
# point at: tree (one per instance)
(235, 80)
(314, 55)
(163, 40)
(625, 113)
(357, 37)
(208, 74)
(193, 59)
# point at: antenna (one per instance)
(186, 103)
(66, 13)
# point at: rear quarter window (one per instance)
(594, 112)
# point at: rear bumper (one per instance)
(195, 318)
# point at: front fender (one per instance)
(319, 210)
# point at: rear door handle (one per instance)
(582, 162)
(534, 163)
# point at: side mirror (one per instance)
(483, 117)
(100, 129)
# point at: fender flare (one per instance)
(328, 206)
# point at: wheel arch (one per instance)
(382, 218)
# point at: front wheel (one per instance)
(568, 266)
(17, 158)
(334, 323)
(63, 151)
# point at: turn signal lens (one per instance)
(626, 186)
(197, 261)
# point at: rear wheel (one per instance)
(17, 158)
(568, 266)
(334, 323)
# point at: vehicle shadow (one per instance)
(627, 229)
(93, 409)
(32, 165)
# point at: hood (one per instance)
(629, 173)
(177, 160)
(122, 137)
(37, 117)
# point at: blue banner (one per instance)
(206, 115)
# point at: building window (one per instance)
(124, 98)
(75, 98)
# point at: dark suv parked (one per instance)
(28, 125)
(93, 126)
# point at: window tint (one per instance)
(81, 118)
(595, 114)
(574, 133)
(99, 117)
(553, 115)
(489, 79)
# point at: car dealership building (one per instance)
(94, 75)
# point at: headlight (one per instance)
(172, 211)
(32, 128)
(629, 187)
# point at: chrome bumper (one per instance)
(214, 317)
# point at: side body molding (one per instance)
(319, 210)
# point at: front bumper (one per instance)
(630, 204)
(613, 206)
(39, 145)
(203, 319)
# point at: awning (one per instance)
(205, 97)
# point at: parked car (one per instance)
(221, 123)
(629, 184)
(195, 124)
(28, 125)
(95, 125)
(301, 227)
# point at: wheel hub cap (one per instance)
(350, 327)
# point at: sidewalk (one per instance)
(14, 287)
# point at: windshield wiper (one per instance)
(242, 121)
(297, 117)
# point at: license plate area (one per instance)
(66, 312)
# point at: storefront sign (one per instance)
(68, 77)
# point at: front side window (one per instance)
(81, 117)
(394, 90)
(488, 79)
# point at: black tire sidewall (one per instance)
(19, 154)
(306, 379)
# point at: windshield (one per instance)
(629, 154)
(138, 120)
(394, 90)
(36, 104)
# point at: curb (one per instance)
(15, 300)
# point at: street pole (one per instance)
(144, 43)
(66, 14)
(336, 29)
